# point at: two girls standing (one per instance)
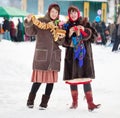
(78, 58)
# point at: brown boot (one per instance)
(89, 98)
(30, 101)
(44, 101)
(74, 94)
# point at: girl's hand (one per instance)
(61, 36)
(71, 31)
(29, 17)
(80, 27)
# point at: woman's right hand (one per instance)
(71, 31)
(29, 17)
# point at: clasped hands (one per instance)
(76, 29)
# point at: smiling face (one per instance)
(54, 14)
(74, 15)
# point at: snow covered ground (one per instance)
(15, 83)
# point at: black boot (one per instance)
(30, 101)
(44, 102)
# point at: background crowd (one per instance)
(108, 35)
(10, 31)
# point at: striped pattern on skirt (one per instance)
(41, 76)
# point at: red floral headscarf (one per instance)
(73, 8)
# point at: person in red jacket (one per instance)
(79, 67)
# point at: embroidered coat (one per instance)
(72, 70)
(47, 54)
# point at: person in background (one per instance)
(117, 36)
(78, 63)
(20, 31)
(113, 32)
(47, 56)
(13, 31)
(99, 29)
(103, 25)
(1, 32)
(6, 28)
(112, 27)
(107, 37)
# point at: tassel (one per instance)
(79, 53)
(74, 40)
(82, 55)
(76, 52)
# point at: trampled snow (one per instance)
(15, 84)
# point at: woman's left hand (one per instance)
(80, 27)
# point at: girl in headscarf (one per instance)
(79, 67)
(47, 56)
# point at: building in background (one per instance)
(33, 6)
(88, 8)
(110, 9)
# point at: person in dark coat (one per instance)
(78, 66)
(20, 31)
(12, 31)
(117, 36)
(6, 28)
(47, 56)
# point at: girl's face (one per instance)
(53, 13)
(74, 15)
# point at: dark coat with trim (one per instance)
(47, 54)
(72, 70)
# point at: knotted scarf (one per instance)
(78, 44)
(79, 49)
